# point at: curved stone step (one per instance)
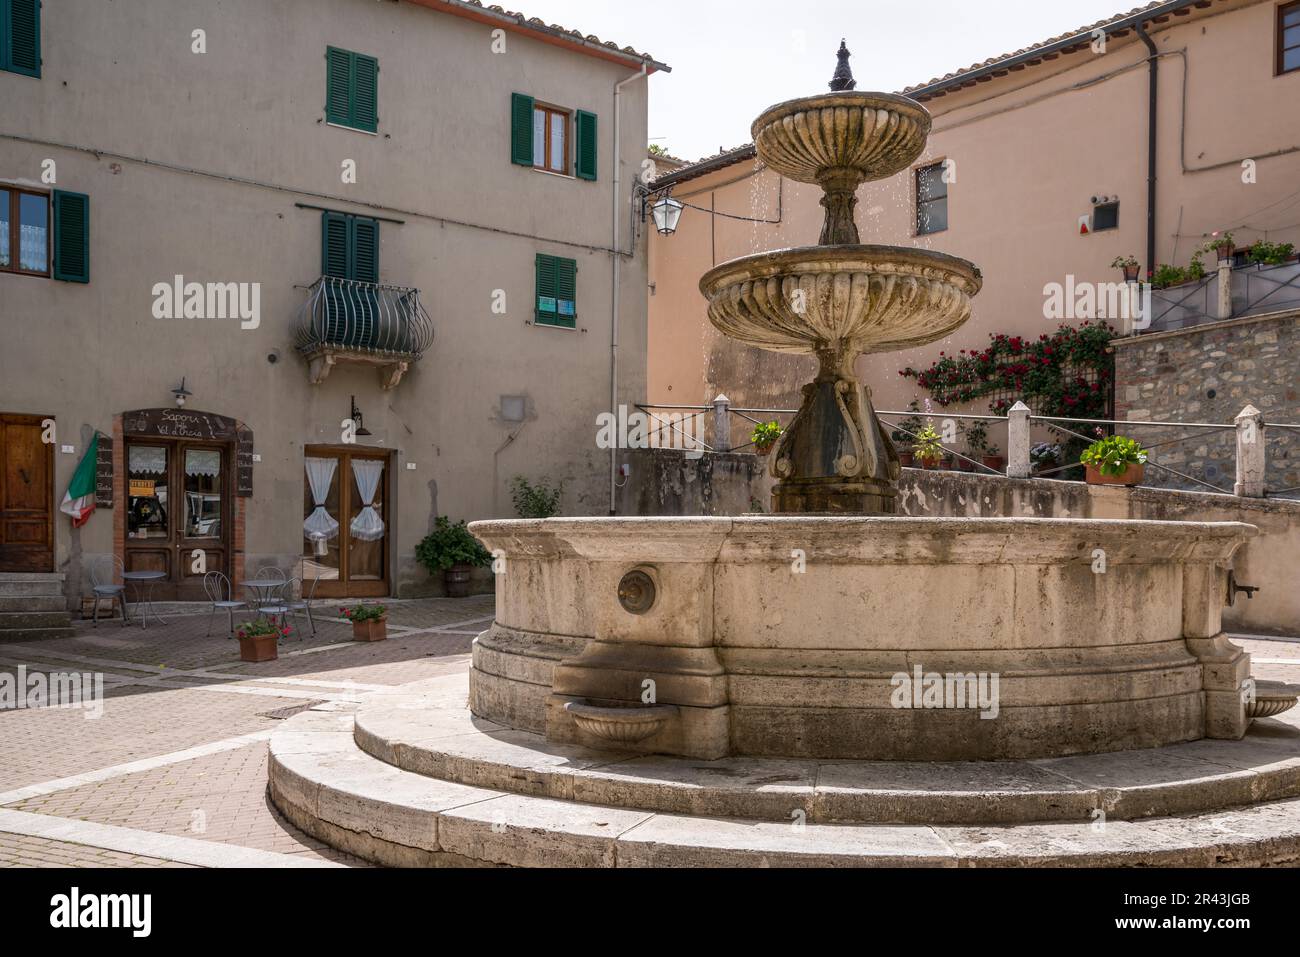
(326, 785)
(438, 737)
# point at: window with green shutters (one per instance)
(537, 141)
(20, 36)
(351, 90)
(71, 216)
(557, 284)
(350, 257)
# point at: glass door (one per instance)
(345, 529)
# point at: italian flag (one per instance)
(79, 500)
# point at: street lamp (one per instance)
(666, 212)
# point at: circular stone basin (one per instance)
(930, 639)
(874, 134)
(620, 725)
(878, 298)
(1272, 698)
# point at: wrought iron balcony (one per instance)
(344, 320)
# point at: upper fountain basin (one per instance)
(876, 298)
(875, 134)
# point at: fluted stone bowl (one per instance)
(876, 134)
(878, 298)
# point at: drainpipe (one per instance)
(614, 255)
(1153, 73)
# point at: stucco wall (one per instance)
(120, 79)
(1030, 150)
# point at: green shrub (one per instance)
(1113, 455)
(450, 543)
(535, 501)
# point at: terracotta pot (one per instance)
(1130, 476)
(946, 463)
(931, 464)
(762, 449)
(456, 580)
(259, 648)
(995, 462)
(905, 459)
(1131, 273)
(1225, 252)
(374, 629)
(964, 465)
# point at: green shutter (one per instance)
(20, 36)
(338, 85)
(365, 245)
(71, 236)
(365, 92)
(545, 299)
(588, 146)
(335, 260)
(521, 129)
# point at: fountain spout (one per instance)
(843, 78)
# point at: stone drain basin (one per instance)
(621, 724)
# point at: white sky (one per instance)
(733, 58)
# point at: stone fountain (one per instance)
(648, 682)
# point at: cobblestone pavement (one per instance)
(171, 770)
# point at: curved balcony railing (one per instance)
(364, 317)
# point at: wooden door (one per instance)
(178, 513)
(26, 495)
(348, 565)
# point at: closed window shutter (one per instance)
(71, 236)
(365, 265)
(20, 36)
(335, 260)
(521, 129)
(338, 86)
(587, 151)
(546, 288)
(365, 97)
(566, 292)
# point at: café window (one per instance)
(202, 493)
(147, 499)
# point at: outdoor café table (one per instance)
(263, 590)
(144, 582)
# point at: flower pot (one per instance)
(259, 648)
(930, 464)
(965, 465)
(946, 463)
(456, 580)
(905, 459)
(995, 462)
(1225, 253)
(1131, 273)
(373, 629)
(1130, 476)
(762, 449)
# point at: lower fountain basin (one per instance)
(867, 638)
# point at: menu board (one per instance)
(104, 472)
(244, 463)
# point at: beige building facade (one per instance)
(370, 247)
(1026, 150)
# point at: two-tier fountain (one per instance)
(803, 633)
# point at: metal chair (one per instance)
(278, 603)
(302, 603)
(218, 589)
(108, 589)
(262, 596)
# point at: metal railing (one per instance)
(1253, 289)
(363, 317)
(1256, 442)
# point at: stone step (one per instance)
(32, 577)
(323, 782)
(14, 620)
(435, 735)
(27, 588)
(33, 603)
(35, 634)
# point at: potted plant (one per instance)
(764, 436)
(927, 448)
(369, 622)
(992, 458)
(259, 639)
(1222, 244)
(1264, 253)
(1130, 266)
(452, 550)
(977, 443)
(903, 435)
(1045, 456)
(1114, 460)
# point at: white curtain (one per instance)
(320, 525)
(367, 526)
(202, 462)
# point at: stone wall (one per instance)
(670, 482)
(1210, 373)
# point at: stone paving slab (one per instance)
(19, 850)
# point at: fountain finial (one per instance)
(843, 78)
